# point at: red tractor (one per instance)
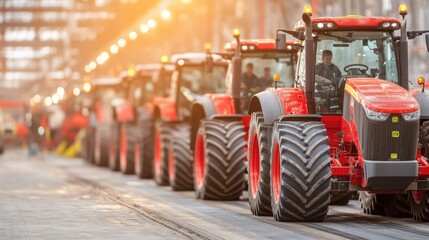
(191, 78)
(220, 121)
(101, 91)
(76, 120)
(131, 139)
(358, 131)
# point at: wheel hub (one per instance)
(254, 164)
(123, 148)
(199, 161)
(137, 157)
(157, 153)
(276, 173)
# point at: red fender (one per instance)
(167, 108)
(275, 103)
(124, 112)
(292, 99)
(223, 103)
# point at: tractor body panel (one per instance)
(166, 108)
(124, 112)
(223, 103)
(423, 100)
(269, 103)
(380, 142)
(351, 22)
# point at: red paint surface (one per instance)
(167, 108)
(125, 112)
(224, 104)
(382, 96)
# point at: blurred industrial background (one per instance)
(46, 44)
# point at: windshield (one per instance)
(373, 51)
(258, 71)
(348, 54)
(199, 81)
(161, 79)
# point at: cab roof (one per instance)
(194, 57)
(101, 81)
(258, 44)
(353, 22)
(154, 67)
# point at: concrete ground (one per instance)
(39, 201)
(50, 197)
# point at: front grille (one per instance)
(377, 140)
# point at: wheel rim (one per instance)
(275, 165)
(123, 148)
(111, 149)
(157, 153)
(97, 147)
(254, 162)
(171, 164)
(199, 161)
(418, 196)
(137, 157)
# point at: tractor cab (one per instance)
(352, 58)
(191, 79)
(194, 75)
(148, 81)
(253, 63)
(105, 92)
(352, 104)
(358, 48)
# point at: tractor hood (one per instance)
(381, 96)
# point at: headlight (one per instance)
(412, 116)
(376, 116)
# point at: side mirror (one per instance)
(209, 63)
(281, 41)
(427, 42)
(306, 18)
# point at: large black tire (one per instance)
(372, 204)
(144, 164)
(114, 148)
(397, 205)
(219, 160)
(126, 149)
(101, 145)
(161, 152)
(90, 139)
(84, 146)
(181, 165)
(340, 198)
(300, 171)
(259, 167)
(419, 202)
